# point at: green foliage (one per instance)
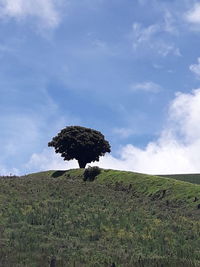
(90, 173)
(80, 143)
(120, 218)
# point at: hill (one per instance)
(191, 178)
(120, 219)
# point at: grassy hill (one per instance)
(122, 218)
(191, 178)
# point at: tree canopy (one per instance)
(80, 143)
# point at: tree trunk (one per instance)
(82, 163)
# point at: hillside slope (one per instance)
(125, 218)
(191, 178)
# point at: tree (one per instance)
(80, 143)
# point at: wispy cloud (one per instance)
(150, 37)
(148, 86)
(123, 132)
(45, 10)
(142, 34)
(195, 68)
(169, 23)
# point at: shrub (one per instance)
(90, 173)
(9, 176)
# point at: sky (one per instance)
(127, 68)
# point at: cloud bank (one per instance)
(177, 150)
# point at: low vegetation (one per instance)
(91, 173)
(191, 178)
(119, 219)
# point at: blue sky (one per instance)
(130, 69)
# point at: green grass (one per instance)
(127, 218)
(191, 178)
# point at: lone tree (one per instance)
(80, 143)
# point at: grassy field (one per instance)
(122, 218)
(191, 178)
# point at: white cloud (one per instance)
(47, 11)
(146, 87)
(48, 160)
(152, 38)
(184, 116)
(193, 15)
(177, 148)
(195, 68)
